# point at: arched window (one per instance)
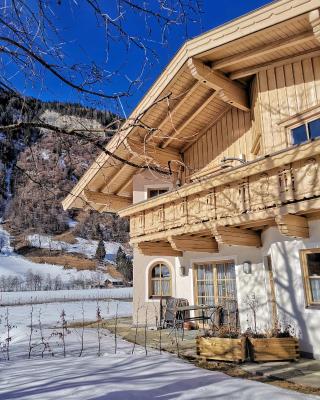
(160, 281)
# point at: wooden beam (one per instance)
(125, 186)
(153, 154)
(158, 249)
(293, 225)
(242, 73)
(194, 243)
(263, 50)
(314, 18)
(112, 202)
(181, 128)
(236, 236)
(260, 224)
(177, 108)
(116, 176)
(231, 92)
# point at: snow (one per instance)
(17, 265)
(28, 297)
(72, 223)
(13, 264)
(118, 375)
(82, 246)
(45, 155)
(8, 178)
(5, 247)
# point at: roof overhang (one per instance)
(204, 79)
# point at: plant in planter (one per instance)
(279, 344)
(222, 344)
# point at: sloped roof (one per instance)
(280, 29)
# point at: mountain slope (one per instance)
(38, 169)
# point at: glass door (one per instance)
(215, 284)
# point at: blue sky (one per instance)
(85, 42)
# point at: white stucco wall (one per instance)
(289, 285)
(286, 268)
(148, 180)
(246, 284)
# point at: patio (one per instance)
(302, 376)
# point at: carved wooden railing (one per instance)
(292, 182)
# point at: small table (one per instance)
(182, 311)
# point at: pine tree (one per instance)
(124, 265)
(101, 251)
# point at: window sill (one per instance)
(313, 307)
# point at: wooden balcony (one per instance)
(232, 206)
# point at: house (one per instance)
(222, 181)
(114, 277)
(111, 282)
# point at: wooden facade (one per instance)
(276, 95)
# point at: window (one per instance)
(156, 192)
(215, 284)
(160, 285)
(306, 131)
(310, 263)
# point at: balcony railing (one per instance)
(266, 184)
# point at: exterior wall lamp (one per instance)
(247, 267)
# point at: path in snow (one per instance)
(120, 376)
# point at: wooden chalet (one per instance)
(223, 187)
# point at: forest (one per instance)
(38, 168)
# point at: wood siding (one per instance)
(230, 136)
(283, 92)
(276, 94)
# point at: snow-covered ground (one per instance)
(14, 265)
(30, 297)
(117, 374)
(82, 246)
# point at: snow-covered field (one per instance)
(117, 374)
(38, 297)
(19, 317)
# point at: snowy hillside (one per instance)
(82, 246)
(11, 264)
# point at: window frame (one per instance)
(215, 278)
(306, 277)
(214, 264)
(150, 280)
(303, 122)
(149, 189)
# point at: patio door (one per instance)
(215, 284)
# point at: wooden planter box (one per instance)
(274, 349)
(223, 349)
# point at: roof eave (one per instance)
(255, 21)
